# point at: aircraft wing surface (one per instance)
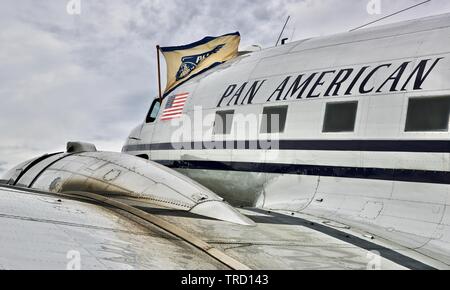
(46, 231)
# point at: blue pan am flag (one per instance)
(188, 61)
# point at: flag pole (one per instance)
(159, 72)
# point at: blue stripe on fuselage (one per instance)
(414, 146)
(404, 175)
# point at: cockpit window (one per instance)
(154, 111)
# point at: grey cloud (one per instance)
(2, 166)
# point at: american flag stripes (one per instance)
(174, 107)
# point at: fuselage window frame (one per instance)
(421, 107)
(227, 124)
(333, 123)
(266, 121)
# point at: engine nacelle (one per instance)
(119, 175)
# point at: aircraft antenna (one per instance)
(390, 15)
(282, 31)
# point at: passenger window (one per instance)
(274, 119)
(428, 114)
(340, 117)
(223, 122)
(154, 111)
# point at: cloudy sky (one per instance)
(91, 76)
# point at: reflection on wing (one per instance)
(42, 231)
(39, 231)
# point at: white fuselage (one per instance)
(382, 164)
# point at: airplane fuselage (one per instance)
(361, 132)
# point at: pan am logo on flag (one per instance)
(174, 107)
(189, 63)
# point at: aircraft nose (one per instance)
(221, 211)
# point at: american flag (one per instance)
(174, 107)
